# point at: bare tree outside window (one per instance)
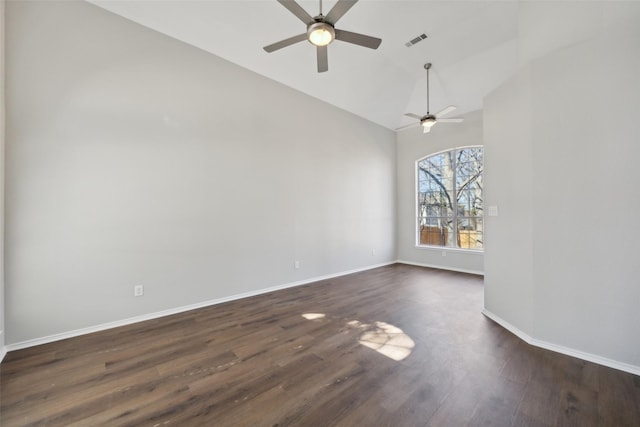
(450, 208)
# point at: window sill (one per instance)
(447, 249)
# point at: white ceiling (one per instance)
(473, 45)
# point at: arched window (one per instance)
(449, 203)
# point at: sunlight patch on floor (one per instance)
(383, 337)
(388, 340)
(313, 316)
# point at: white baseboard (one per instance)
(632, 369)
(441, 267)
(3, 349)
(176, 310)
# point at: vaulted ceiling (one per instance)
(473, 45)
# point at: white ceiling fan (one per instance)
(321, 30)
(429, 120)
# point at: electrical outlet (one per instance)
(373, 252)
(296, 264)
(444, 253)
(138, 291)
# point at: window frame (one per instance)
(455, 216)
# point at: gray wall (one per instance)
(508, 180)
(135, 159)
(413, 145)
(2, 132)
(562, 261)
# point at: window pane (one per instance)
(470, 233)
(436, 232)
(450, 192)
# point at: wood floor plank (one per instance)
(618, 398)
(259, 362)
(578, 407)
(541, 401)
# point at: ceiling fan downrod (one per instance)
(427, 66)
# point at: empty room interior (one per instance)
(307, 213)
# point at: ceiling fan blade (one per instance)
(339, 9)
(452, 120)
(297, 10)
(323, 61)
(408, 126)
(415, 116)
(285, 42)
(426, 129)
(445, 111)
(359, 39)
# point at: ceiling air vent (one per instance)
(416, 40)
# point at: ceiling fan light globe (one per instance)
(320, 34)
(320, 37)
(428, 122)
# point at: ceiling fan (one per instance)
(428, 120)
(321, 30)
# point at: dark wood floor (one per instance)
(259, 362)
